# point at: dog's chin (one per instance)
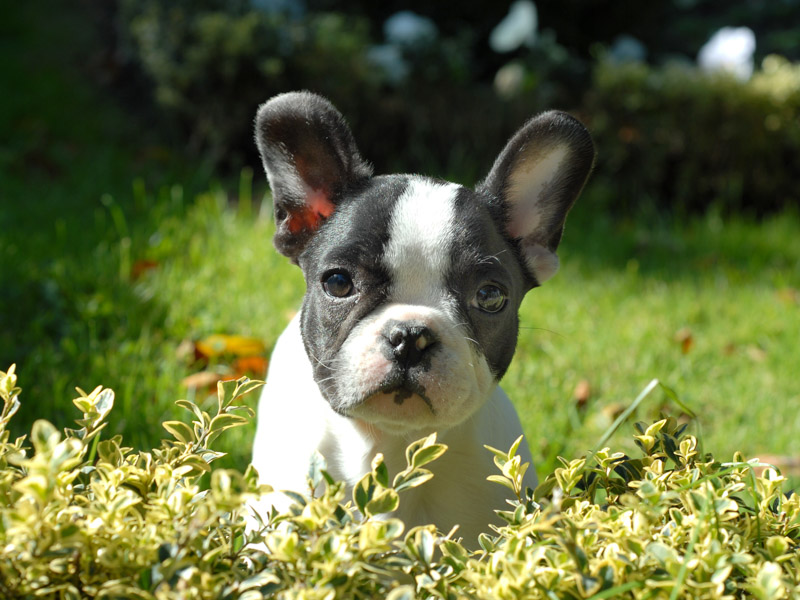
(407, 409)
(400, 411)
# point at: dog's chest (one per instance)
(458, 493)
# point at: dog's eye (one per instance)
(490, 298)
(338, 285)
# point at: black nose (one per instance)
(409, 343)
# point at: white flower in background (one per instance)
(627, 48)
(509, 79)
(517, 28)
(403, 30)
(729, 49)
(406, 28)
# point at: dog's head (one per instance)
(413, 284)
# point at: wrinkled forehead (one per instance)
(414, 229)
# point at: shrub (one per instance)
(81, 517)
(212, 63)
(669, 137)
(674, 137)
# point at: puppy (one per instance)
(409, 319)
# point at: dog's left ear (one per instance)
(538, 176)
(311, 159)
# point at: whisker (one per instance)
(320, 362)
(542, 329)
(490, 259)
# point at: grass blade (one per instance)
(625, 414)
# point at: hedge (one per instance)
(677, 137)
(670, 136)
(83, 517)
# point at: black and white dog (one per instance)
(410, 314)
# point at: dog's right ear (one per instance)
(310, 158)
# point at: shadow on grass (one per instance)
(694, 247)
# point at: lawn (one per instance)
(710, 308)
(116, 258)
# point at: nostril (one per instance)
(408, 342)
(397, 336)
(424, 338)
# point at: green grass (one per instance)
(609, 317)
(85, 196)
(73, 164)
(626, 292)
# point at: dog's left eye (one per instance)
(338, 285)
(490, 298)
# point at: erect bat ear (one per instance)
(311, 159)
(538, 176)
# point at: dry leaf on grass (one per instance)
(685, 338)
(202, 379)
(238, 345)
(582, 393)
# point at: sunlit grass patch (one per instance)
(708, 306)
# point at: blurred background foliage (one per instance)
(425, 91)
(129, 229)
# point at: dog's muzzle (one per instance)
(408, 346)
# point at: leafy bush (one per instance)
(212, 63)
(81, 517)
(669, 136)
(676, 137)
(580, 26)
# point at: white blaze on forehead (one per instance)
(420, 237)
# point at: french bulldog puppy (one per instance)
(409, 319)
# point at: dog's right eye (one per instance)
(338, 285)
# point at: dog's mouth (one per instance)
(400, 387)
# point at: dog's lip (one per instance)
(403, 389)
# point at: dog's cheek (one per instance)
(497, 340)
(464, 390)
(485, 380)
(364, 367)
(319, 349)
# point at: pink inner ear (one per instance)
(319, 203)
(316, 209)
